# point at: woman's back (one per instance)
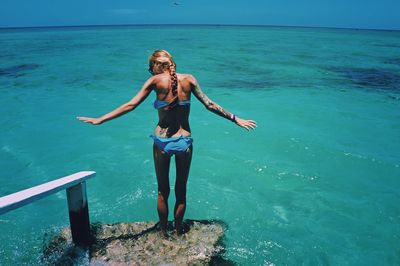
(173, 110)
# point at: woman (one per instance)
(172, 135)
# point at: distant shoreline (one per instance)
(187, 25)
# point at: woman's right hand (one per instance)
(93, 121)
(247, 124)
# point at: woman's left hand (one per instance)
(93, 121)
(247, 124)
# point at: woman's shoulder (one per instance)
(187, 77)
(159, 78)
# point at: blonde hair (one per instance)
(161, 61)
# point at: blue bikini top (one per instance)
(161, 104)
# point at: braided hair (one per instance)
(173, 77)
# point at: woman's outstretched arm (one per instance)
(217, 109)
(123, 109)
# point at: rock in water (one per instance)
(139, 243)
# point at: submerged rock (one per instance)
(139, 243)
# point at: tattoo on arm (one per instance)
(210, 105)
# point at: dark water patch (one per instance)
(18, 70)
(394, 97)
(182, 39)
(372, 78)
(389, 45)
(393, 61)
(231, 65)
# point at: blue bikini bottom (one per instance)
(173, 145)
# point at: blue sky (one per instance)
(383, 14)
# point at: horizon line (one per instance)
(191, 24)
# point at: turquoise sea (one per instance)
(317, 183)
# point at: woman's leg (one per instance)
(182, 161)
(161, 163)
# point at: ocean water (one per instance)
(317, 183)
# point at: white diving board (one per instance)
(23, 197)
(75, 186)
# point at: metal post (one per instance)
(79, 214)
